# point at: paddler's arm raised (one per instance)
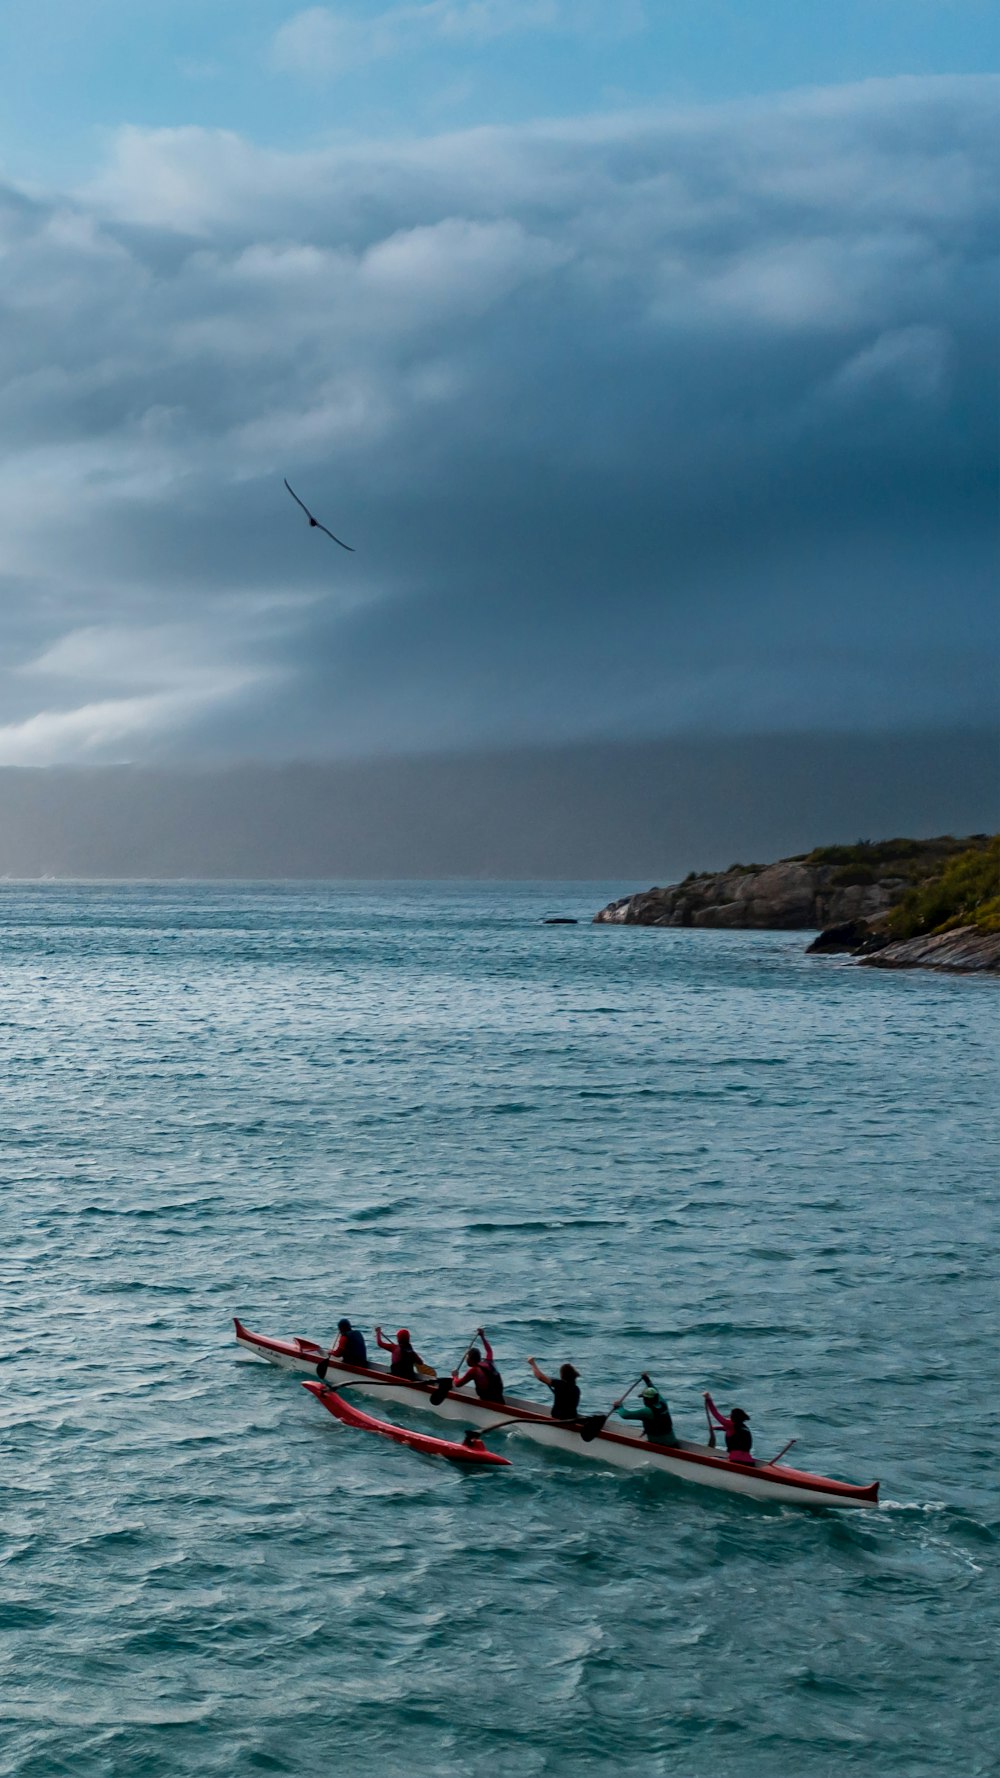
(540, 1374)
(487, 1348)
(386, 1345)
(720, 1419)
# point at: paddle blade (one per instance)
(591, 1426)
(439, 1392)
(322, 1368)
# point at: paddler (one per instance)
(654, 1415)
(404, 1361)
(735, 1427)
(481, 1371)
(350, 1345)
(565, 1390)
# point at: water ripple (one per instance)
(708, 1157)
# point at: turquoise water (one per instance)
(705, 1154)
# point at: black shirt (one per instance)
(565, 1400)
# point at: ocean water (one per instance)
(703, 1154)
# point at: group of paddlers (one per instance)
(481, 1371)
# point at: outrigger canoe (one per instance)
(690, 1462)
(401, 1435)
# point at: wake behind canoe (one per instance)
(424, 1442)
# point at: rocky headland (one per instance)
(894, 904)
(964, 949)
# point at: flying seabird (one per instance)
(316, 522)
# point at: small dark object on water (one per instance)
(561, 920)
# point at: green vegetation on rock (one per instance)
(916, 865)
(964, 892)
(900, 857)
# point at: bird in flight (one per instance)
(315, 522)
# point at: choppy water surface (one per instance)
(701, 1153)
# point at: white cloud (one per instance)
(164, 656)
(327, 41)
(457, 266)
(172, 681)
(912, 361)
(320, 41)
(112, 729)
(346, 411)
(188, 178)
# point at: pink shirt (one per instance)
(729, 1430)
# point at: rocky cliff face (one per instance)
(789, 896)
(963, 950)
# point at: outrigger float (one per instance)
(473, 1451)
(690, 1462)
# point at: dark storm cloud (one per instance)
(634, 812)
(648, 425)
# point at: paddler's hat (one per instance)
(403, 1335)
(650, 1393)
(343, 1325)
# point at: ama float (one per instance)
(345, 1411)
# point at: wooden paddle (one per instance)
(444, 1385)
(712, 1441)
(784, 1448)
(592, 1424)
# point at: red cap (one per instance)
(403, 1335)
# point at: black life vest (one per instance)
(740, 1439)
(355, 1351)
(404, 1362)
(488, 1381)
(659, 1427)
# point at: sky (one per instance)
(646, 355)
(629, 813)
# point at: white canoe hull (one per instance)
(688, 1462)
